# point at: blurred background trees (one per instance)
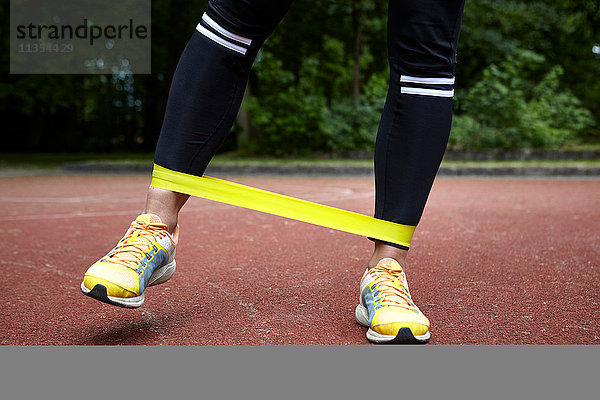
(528, 77)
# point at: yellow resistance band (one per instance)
(285, 206)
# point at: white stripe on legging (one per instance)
(427, 92)
(430, 81)
(220, 40)
(211, 22)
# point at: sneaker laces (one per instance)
(390, 283)
(137, 240)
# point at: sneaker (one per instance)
(386, 307)
(144, 257)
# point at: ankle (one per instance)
(383, 250)
(166, 204)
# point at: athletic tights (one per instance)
(211, 76)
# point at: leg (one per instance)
(412, 138)
(207, 90)
(206, 93)
(210, 79)
(414, 128)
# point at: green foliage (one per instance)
(353, 126)
(562, 31)
(296, 117)
(526, 77)
(288, 114)
(509, 108)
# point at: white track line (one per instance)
(49, 269)
(89, 199)
(68, 216)
(343, 194)
(260, 319)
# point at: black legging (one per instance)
(210, 79)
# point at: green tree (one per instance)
(526, 76)
(562, 32)
(510, 108)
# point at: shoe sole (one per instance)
(404, 336)
(99, 292)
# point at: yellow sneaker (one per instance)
(145, 256)
(386, 307)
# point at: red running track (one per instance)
(494, 261)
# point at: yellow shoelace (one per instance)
(393, 291)
(137, 240)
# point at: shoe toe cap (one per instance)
(118, 280)
(390, 321)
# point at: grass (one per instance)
(533, 163)
(56, 161)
